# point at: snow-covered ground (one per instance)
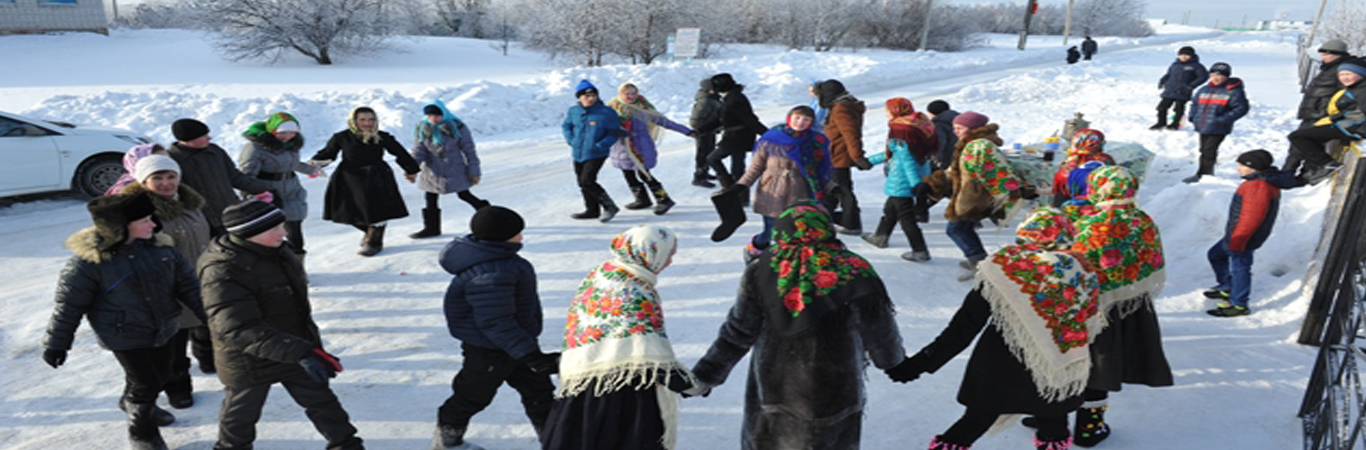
(1239, 381)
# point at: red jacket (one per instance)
(1252, 213)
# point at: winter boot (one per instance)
(877, 240)
(1192, 179)
(1064, 444)
(374, 241)
(725, 180)
(1091, 427)
(482, 204)
(937, 444)
(431, 224)
(662, 200)
(160, 417)
(1175, 125)
(731, 212)
(699, 179)
(590, 207)
(642, 199)
(143, 433)
(916, 256)
(180, 399)
(609, 208)
(448, 437)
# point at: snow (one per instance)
(1238, 381)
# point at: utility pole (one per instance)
(1067, 28)
(1317, 19)
(1029, 14)
(925, 27)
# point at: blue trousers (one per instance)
(964, 235)
(1233, 272)
(765, 237)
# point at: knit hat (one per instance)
(722, 82)
(282, 121)
(188, 129)
(972, 120)
(151, 164)
(496, 224)
(1258, 160)
(1187, 50)
(1354, 65)
(432, 110)
(937, 106)
(113, 213)
(585, 88)
(251, 218)
(1221, 67)
(1334, 46)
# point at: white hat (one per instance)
(288, 125)
(151, 164)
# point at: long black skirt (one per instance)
(623, 420)
(1129, 351)
(363, 195)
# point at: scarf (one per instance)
(811, 151)
(627, 111)
(614, 337)
(1045, 303)
(811, 263)
(368, 137)
(1121, 242)
(912, 127)
(983, 163)
(264, 133)
(435, 132)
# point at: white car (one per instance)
(42, 156)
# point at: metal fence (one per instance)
(1334, 407)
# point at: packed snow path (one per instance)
(1238, 380)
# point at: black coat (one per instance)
(212, 173)
(260, 319)
(948, 141)
(1320, 91)
(1088, 47)
(1073, 55)
(1129, 351)
(1182, 78)
(995, 380)
(362, 190)
(492, 301)
(803, 391)
(132, 295)
(739, 125)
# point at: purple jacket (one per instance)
(639, 134)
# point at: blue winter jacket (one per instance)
(821, 114)
(591, 131)
(1216, 107)
(1182, 78)
(492, 301)
(903, 173)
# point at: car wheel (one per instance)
(97, 175)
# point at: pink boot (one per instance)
(936, 444)
(1064, 444)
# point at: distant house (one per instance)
(37, 16)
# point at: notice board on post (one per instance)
(687, 42)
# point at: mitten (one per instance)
(546, 363)
(863, 164)
(54, 357)
(907, 371)
(320, 365)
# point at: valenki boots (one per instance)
(642, 199)
(431, 224)
(1091, 427)
(609, 208)
(450, 437)
(664, 203)
(374, 241)
(143, 433)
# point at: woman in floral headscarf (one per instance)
(1041, 303)
(1087, 145)
(810, 310)
(636, 155)
(1123, 245)
(362, 192)
(618, 373)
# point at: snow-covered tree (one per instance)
(467, 18)
(1345, 23)
(319, 29)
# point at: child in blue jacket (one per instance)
(910, 146)
(1252, 213)
(1214, 109)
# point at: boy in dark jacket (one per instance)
(706, 121)
(942, 117)
(1217, 105)
(492, 307)
(1183, 76)
(1252, 213)
(256, 294)
(739, 126)
(1345, 121)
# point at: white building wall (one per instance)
(36, 16)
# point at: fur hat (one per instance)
(186, 130)
(937, 106)
(722, 82)
(1221, 67)
(972, 120)
(496, 224)
(113, 213)
(1187, 50)
(251, 218)
(1258, 160)
(152, 164)
(584, 88)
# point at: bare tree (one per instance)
(466, 18)
(319, 29)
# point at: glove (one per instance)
(474, 180)
(546, 363)
(678, 382)
(54, 357)
(905, 372)
(698, 390)
(863, 164)
(320, 365)
(921, 189)
(267, 196)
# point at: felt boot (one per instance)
(431, 224)
(374, 241)
(1091, 427)
(731, 212)
(609, 208)
(143, 433)
(662, 201)
(937, 444)
(642, 199)
(450, 437)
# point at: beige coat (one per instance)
(779, 180)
